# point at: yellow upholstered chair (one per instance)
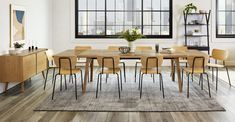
(109, 65)
(196, 66)
(219, 55)
(151, 65)
(67, 66)
(141, 48)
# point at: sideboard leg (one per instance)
(22, 87)
(6, 87)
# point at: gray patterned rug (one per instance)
(152, 100)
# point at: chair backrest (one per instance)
(83, 48)
(49, 54)
(108, 61)
(220, 54)
(180, 48)
(197, 62)
(113, 48)
(143, 48)
(68, 63)
(152, 62)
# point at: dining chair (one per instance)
(178, 48)
(116, 48)
(151, 65)
(141, 48)
(219, 55)
(196, 66)
(109, 65)
(83, 60)
(67, 66)
(50, 65)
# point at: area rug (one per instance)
(151, 101)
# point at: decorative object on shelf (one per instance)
(17, 24)
(189, 8)
(17, 48)
(131, 36)
(202, 11)
(157, 48)
(167, 50)
(124, 49)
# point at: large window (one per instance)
(108, 18)
(225, 27)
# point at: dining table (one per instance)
(91, 55)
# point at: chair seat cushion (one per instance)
(110, 71)
(67, 71)
(151, 71)
(215, 65)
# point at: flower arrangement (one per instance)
(189, 8)
(131, 35)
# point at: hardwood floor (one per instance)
(17, 107)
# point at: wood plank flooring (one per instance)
(16, 107)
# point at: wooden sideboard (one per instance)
(21, 67)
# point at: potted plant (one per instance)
(131, 36)
(189, 8)
(18, 47)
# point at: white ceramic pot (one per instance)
(131, 45)
(18, 50)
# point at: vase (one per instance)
(18, 50)
(130, 44)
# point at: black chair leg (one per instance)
(153, 79)
(228, 76)
(61, 82)
(135, 70)
(163, 94)
(208, 81)
(139, 80)
(182, 76)
(141, 85)
(119, 94)
(65, 82)
(121, 79)
(53, 75)
(202, 80)
(106, 78)
(217, 79)
(45, 82)
(124, 70)
(97, 88)
(101, 81)
(212, 70)
(53, 92)
(82, 79)
(188, 86)
(76, 92)
(160, 83)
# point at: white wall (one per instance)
(39, 23)
(63, 29)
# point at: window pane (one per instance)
(82, 4)
(110, 18)
(120, 5)
(82, 30)
(100, 30)
(91, 18)
(91, 30)
(147, 30)
(165, 5)
(165, 18)
(165, 30)
(221, 4)
(156, 30)
(147, 18)
(221, 18)
(119, 18)
(119, 30)
(110, 30)
(156, 4)
(91, 4)
(100, 4)
(147, 5)
(82, 18)
(110, 4)
(137, 18)
(100, 18)
(156, 18)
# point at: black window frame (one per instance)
(77, 36)
(217, 23)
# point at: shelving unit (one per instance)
(203, 35)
